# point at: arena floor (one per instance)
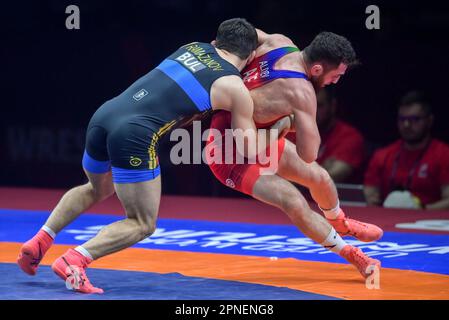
(233, 249)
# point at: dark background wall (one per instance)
(53, 79)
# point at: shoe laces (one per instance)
(352, 221)
(79, 272)
(83, 279)
(359, 256)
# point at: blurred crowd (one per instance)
(410, 172)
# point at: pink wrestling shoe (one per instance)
(361, 231)
(71, 267)
(361, 261)
(33, 251)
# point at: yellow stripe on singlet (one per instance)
(153, 161)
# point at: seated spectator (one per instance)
(342, 146)
(412, 172)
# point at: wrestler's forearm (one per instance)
(279, 129)
(265, 137)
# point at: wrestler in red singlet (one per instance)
(242, 177)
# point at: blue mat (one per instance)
(420, 252)
(131, 285)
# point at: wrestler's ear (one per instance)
(316, 70)
(251, 57)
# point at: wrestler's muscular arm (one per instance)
(307, 135)
(229, 93)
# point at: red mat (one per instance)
(218, 209)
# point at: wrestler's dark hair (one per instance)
(330, 49)
(416, 97)
(237, 36)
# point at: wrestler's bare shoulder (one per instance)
(274, 41)
(280, 40)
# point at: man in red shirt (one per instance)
(413, 171)
(341, 150)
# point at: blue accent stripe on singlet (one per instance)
(187, 82)
(273, 56)
(120, 175)
(95, 166)
(286, 74)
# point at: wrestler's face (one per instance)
(322, 77)
(333, 75)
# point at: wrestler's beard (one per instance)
(317, 83)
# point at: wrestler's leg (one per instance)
(79, 199)
(280, 193)
(72, 204)
(324, 192)
(141, 203)
(310, 175)
(288, 198)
